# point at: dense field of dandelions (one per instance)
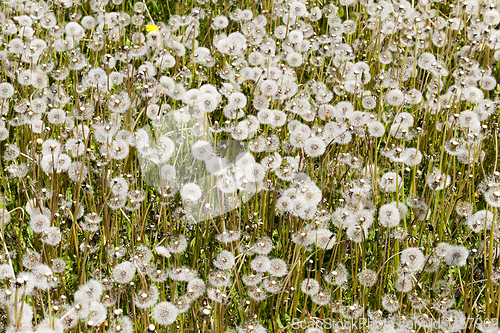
(258, 166)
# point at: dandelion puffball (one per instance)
(165, 313)
(190, 192)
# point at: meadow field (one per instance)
(249, 166)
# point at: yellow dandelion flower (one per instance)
(152, 27)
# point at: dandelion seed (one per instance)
(252, 327)
(337, 276)
(269, 88)
(58, 265)
(314, 147)
(178, 245)
(389, 215)
(413, 259)
(367, 278)
(4, 217)
(454, 320)
(6, 271)
(219, 22)
(51, 236)
(324, 239)
(390, 182)
(257, 294)
(165, 313)
(6, 90)
(487, 326)
(124, 272)
(309, 287)
(146, 298)
(39, 223)
(404, 283)
(272, 285)
(390, 303)
(190, 193)
(195, 288)
(278, 268)
(456, 255)
(394, 97)
(225, 260)
(438, 181)
(260, 264)
(183, 274)
(216, 295)
(492, 197)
